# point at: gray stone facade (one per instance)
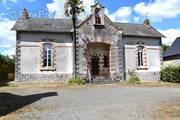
(29, 58)
(43, 78)
(111, 36)
(117, 52)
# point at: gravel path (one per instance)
(96, 103)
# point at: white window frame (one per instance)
(140, 56)
(46, 52)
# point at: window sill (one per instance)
(141, 68)
(48, 69)
(99, 26)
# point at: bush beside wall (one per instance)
(171, 74)
(133, 79)
(76, 81)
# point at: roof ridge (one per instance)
(128, 23)
(49, 19)
(178, 38)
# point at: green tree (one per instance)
(7, 59)
(165, 47)
(72, 9)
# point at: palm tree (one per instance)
(73, 8)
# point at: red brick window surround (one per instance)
(47, 55)
(141, 57)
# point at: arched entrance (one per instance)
(98, 55)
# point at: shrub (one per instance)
(171, 74)
(133, 78)
(76, 81)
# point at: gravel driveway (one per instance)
(91, 103)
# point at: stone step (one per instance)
(102, 80)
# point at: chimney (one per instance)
(147, 23)
(25, 14)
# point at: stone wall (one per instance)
(108, 34)
(43, 78)
(171, 62)
(29, 57)
(147, 76)
(153, 57)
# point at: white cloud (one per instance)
(15, 1)
(121, 15)
(171, 35)
(136, 19)
(9, 3)
(7, 37)
(9, 51)
(57, 6)
(158, 9)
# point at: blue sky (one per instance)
(163, 14)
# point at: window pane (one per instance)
(140, 56)
(141, 59)
(140, 49)
(49, 62)
(47, 54)
(139, 63)
(47, 46)
(106, 61)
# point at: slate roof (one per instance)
(43, 25)
(174, 49)
(130, 29)
(65, 25)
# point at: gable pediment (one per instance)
(88, 23)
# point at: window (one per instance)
(106, 61)
(47, 56)
(140, 55)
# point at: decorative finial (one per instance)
(25, 14)
(147, 22)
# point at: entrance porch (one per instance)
(98, 58)
(98, 55)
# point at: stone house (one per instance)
(172, 55)
(105, 50)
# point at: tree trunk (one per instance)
(74, 41)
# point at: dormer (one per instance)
(98, 15)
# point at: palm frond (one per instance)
(71, 4)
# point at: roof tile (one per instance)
(65, 25)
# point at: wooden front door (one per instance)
(95, 65)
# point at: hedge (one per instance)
(171, 74)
